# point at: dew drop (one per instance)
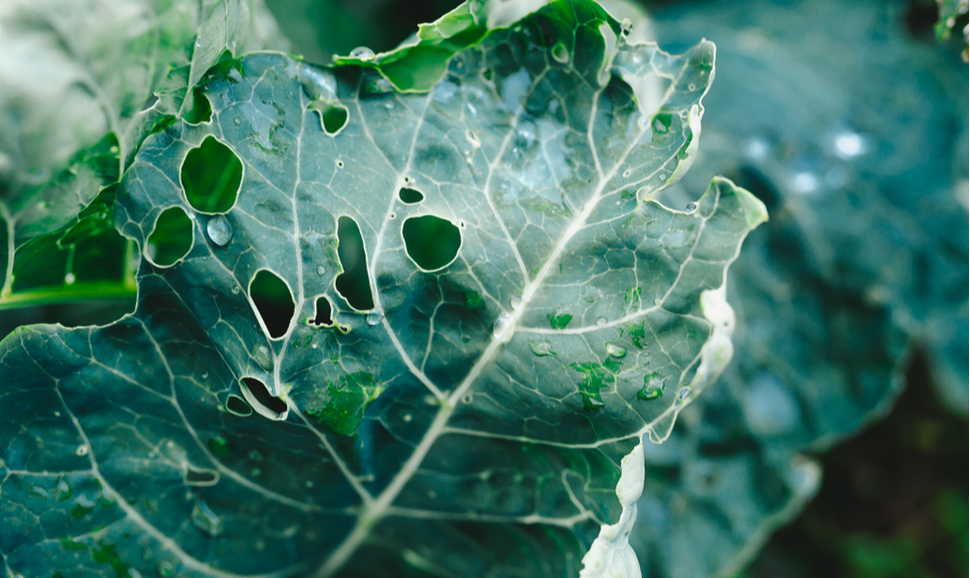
(465, 338)
(690, 208)
(263, 357)
(662, 176)
(362, 53)
(236, 121)
(219, 230)
(602, 321)
(236, 289)
(643, 123)
(321, 270)
(472, 139)
(542, 349)
(516, 302)
(205, 375)
(591, 403)
(205, 520)
(389, 105)
(374, 318)
(684, 393)
(850, 144)
(560, 53)
(467, 398)
(82, 450)
(653, 387)
(502, 330)
(615, 350)
(166, 569)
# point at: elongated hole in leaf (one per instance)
(238, 406)
(353, 284)
(322, 312)
(171, 239)
(432, 242)
(194, 477)
(273, 301)
(211, 176)
(410, 196)
(261, 400)
(332, 117)
(201, 110)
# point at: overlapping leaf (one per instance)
(81, 85)
(469, 421)
(857, 145)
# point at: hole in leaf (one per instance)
(332, 117)
(201, 110)
(264, 403)
(432, 242)
(353, 284)
(322, 313)
(149, 102)
(171, 239)
(238, 406)
(194, 477)
(211, 175)
(273, 302)
(410, 196)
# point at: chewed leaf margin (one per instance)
(432, 412)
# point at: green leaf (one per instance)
(428, 433)
(82, 85)
(864, 260)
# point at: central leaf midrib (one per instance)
(377, 510)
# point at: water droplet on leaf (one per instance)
(166, 569)
(363, 53)
(219, 230)
(516, 302)
(374, 318)
(263, 356)
(502, 331)
(321, 270)
(205, 520)
(690, 208)
(560, 53)
(615, 350)
(542, 348)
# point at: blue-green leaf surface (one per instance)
(470, 419)
(854, 135)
